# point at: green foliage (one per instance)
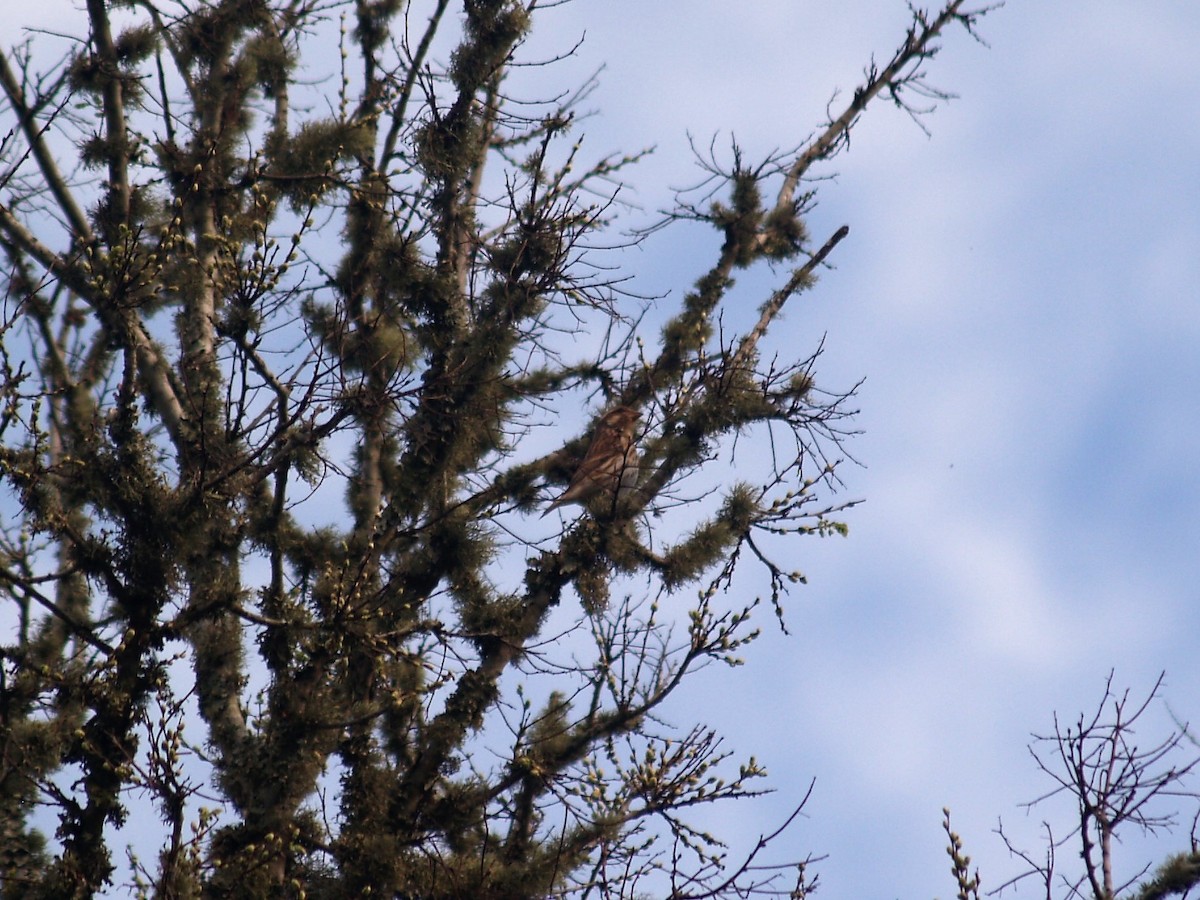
(1178, 875)
(302, 164)
(270, 377)
(742, 221)
(710, 543)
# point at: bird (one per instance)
(610, 463)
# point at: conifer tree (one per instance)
(289, 375)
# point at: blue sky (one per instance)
(1020, 293)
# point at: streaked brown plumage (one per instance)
(610, 464)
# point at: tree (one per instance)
(274, 385)
(1115, 786)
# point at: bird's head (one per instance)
(621, 417)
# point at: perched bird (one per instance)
(610, 464)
